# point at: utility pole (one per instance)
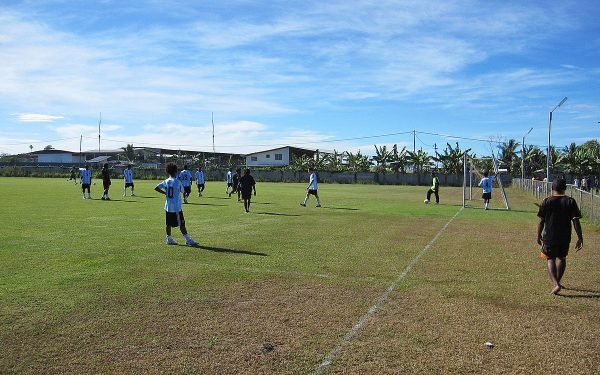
(436, 155)
(414, 141)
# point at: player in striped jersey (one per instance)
(172, 188)
(229, 182)
(128, 177)
(200, 180)
(86, 180)
(185, 177)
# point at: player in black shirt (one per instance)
(246, 186)
(105, 181)
(554, 230)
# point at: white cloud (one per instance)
(35, 117)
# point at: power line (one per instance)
(36, 142)
(263, 145)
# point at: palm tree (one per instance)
(129, 152)
(421, 160)
(451, 159)
(381, 158)
(334, 161)
(358, 162)
(30, 148)
(399, 160)
(569, 160)
(508, 155)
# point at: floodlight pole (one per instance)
(549, 129)
(523, 157)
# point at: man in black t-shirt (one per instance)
(554, 230)
(247, 185)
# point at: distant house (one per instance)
(57, 156)
(277, 157)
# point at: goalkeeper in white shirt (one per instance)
(128, 177)
(172, 189)
(312, 187)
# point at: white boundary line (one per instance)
(328, 360)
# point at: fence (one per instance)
(588, 201)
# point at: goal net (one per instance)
(473, 169)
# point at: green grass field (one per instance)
(88, 286)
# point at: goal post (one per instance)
(470, 169)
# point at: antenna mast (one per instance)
(99, 123)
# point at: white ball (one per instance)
(426, 201)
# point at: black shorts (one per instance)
(85, 186)
(187, 190)
(128, 184)
(229, 184)
(486, 195)
(312, 192)
(174, 219)
(106, 184)
(200, 186)
(555, 251)
(246, 194)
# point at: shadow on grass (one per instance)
(145, 196)
(275, 214)
(339, 208)
(216, 197)
(204, 204)
(579, 293)
(233, 251)
(262, 203)
(124, 201)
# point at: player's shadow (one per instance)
(145, 197)
(228, 198)
(232, 251)
(579, 293)
(124, 201)
(204, 204)
(275, 214)
(340, 208)
(262, 203)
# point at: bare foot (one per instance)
(556, 289)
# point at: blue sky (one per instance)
(306, 73)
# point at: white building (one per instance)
(277, 157)
(58, 156)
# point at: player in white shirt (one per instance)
(486, 183)
(86, 180)
(172, 189)
(312, 187)
(229, 182)
(200, 180)
(128, 177)
(185, 177)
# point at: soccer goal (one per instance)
(473, 172)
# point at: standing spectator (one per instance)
(554, 230)
(584, 183)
